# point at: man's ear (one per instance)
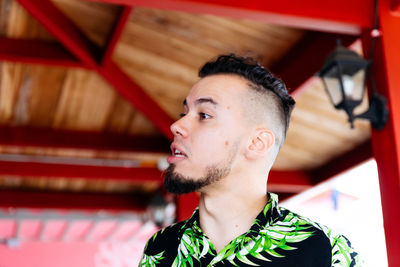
(261, 142)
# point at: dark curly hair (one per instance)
(261, 80)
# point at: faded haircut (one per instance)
(267, 90)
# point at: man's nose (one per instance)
(178, 128)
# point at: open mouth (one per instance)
(177, 154)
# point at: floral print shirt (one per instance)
(278, 237)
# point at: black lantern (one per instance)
(344, 75)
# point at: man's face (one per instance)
(209, 136)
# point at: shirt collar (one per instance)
(267, 216)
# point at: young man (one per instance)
(234, 122)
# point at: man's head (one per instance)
(238, 112)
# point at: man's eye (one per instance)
(204, 116)
(182, 115)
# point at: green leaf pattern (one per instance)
(151, 261)
(265, 242)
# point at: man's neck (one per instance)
(226, 214)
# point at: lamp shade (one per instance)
(343, 74)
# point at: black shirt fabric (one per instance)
(277, 238)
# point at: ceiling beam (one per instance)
(340, 16)
(59, 139)
(306, 58)
(121, 170)
(132, 92)
(395, 5)
(78, 44)
(288, 181)
(36, 52)
(63, 170)
(116, 33)
(342, 163)
(74, 200)
(57, 23)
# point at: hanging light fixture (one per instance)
(344, 75)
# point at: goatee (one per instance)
(177, 183)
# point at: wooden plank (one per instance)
(21, 25)
(85, 102)
(11, 78)
(102, 17)
(116, 33)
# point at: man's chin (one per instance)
(177, 183)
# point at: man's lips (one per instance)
(177, 154)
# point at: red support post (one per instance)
(340, 16)
(386, 143)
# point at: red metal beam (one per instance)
(306, 58)
(36, 51)
(342, 163)
(139, 99)
(74, 200)
(288, 181)
(386, 143)
(340, 16)
(75, 41)
(116, 33)
(39, 169)
(39, 137)
(279, 181)
(58, 24)
(395, 5)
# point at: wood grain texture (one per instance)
(94, 19)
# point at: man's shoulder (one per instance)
(340, 247)
(165, 237)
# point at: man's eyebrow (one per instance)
(205, 100)
(202, 100)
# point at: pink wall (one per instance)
(72, 254)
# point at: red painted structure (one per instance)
(341, 17)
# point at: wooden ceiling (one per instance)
(161, 52)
